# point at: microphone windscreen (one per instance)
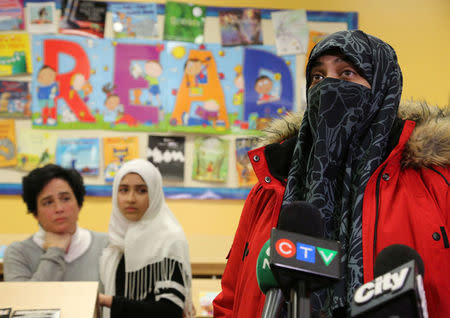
(301, 217)
(394, 256)
(264, 275)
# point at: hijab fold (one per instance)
(342, 140)
(151, 246)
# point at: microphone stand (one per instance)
(299, 304)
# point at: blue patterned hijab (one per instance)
(342, 140)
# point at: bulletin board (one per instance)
(208, 123)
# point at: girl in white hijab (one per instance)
(145, 268)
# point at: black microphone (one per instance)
(397, 291)
(301, 260)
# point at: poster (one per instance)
(210, 162)
(245, 173)
(134, 20)
(81, 154)
(184, 22)
(291, 31)
(15, 99)
(41, 17)
(15, 57)
(117, 151)
(7, 143)
(35, 149)
(167, 154)
(11, 15)
(83, 17)
(240, 26)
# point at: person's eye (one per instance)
(348, 73)
(123, 190)
(142, 190)
(316, 78)
(47, 203)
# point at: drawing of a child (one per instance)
(47, 92)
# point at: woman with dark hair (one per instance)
(378, 174)
(60, 250)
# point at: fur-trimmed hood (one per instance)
(428, 145)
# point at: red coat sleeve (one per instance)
(223, 303)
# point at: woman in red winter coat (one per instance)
(377, 177)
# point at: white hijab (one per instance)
(156, 236)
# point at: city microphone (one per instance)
(268, 285)
(397, 291)
(302, 261)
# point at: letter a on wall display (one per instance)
(269, 86)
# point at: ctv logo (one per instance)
(303, 252)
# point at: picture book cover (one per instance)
(15, 99)
(291, 31)
(210, 161)
(86, 83)
(81, 154)
(134, 20)
(184, 22)
(240, 26)
(83, 17)
(41, 17)
(167, 154)
(8, 155)
(246, 175)
(11, 15)
(117, 151)
(35, 148)
(15, 57)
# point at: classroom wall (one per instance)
(417, 29)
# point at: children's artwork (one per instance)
(15, 99)
(83, 17)
(15, 57)
(206, 302)
(75, 73)
(291, 31)
(134, 20)
(314, 38)
(81, 154)
(41, 17)
(221, 90)
(184, 22)
(246, 175)
(240, 26)
(35, 148)
(11, 15)
(8, 153)
(167, 154)
(117, 151)
(210, 162)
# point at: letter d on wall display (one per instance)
(269, 85)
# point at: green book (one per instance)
(184, 22)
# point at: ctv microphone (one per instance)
(268, 285)
(397, 291)
(300, 259)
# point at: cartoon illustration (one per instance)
(264, 86)
(47, 92)
(200, 84)
(79, 84)
(152, 70)
(42, 16)
(112, 103)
